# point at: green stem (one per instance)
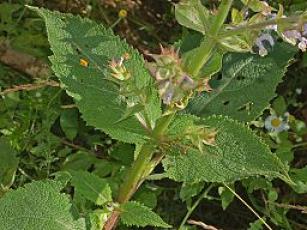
(261, 25)
(115, 23)
(140, 168)
(136, 173)
(204, 51)
(151, 166)
(191, 210)
(162, 125)
(221, 16)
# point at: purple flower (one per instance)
(260, 43)
(305, 29)
(187, 83)
(291, 36)
(168, 95)
(298, 38)
(302, 45)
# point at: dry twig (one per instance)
(202, 225)
(29, 87)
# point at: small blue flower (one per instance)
(275, 124)
(291, 36)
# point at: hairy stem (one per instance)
(139, 169)
(162, 126)
(131, 182)
(221, 16)
(261, 25)
(200, 57)
(136, 173)
(204, 51)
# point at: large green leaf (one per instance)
(91, 187)
(38, 205)
(247, 85)
(8, 164)
(237, 154)
(72, 39)
(134, 213)
(193, 15)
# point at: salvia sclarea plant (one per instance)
(176, 110)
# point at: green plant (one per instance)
(161, 111)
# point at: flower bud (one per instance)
(118, 69)
(173, 84)
(187, 83)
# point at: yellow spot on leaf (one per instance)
(84, 62)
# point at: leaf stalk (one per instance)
(256, 26)
(207, 46)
